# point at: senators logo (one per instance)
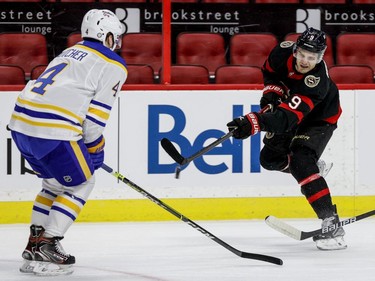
(286, 44)
(312, 81)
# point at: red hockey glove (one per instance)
(245, 126)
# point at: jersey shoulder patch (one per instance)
(286, 44)
(311, 81)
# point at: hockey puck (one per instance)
(177, 172)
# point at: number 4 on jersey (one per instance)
(46, 78)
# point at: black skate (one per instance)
(51, 258)
(333, 240)
(28, 254)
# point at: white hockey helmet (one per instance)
(96, 24)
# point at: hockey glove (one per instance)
(244, 126)
(272, 94)
(96, 150)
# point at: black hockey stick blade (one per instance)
(297, 234)
(178, 215)
(176, 156)
(172, 151)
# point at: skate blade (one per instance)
(52, 269)
(326, 169)
(331, 244)
(27, 266)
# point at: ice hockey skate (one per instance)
(324, 167)
(51, 259)
(28, 254)
(333, 240)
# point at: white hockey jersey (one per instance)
(73, 97)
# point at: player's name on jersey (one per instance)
(74, 54)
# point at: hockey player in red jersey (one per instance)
(306, 108)
(57, 124)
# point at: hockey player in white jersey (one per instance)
(57, 124)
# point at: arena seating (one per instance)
(188, 74)
(276, 1)
(251, 48)
(363, 1)
(140, 74)
(12, 75)
(71, 1)
(238, 74)
(245, 52)
(20, 1)
(349, 74)
(123, 1)
(225, 1)
(143, 48)
(73, 38)
(356, 48)
(23, 49)
(37, 70)
(324, 1)
(201, 48)
(180, 1)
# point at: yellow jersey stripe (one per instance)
(99, 113)
(68, 203)
(43, 200)
(97, 147)
(50, 125)
(53, 107)
(81, 159)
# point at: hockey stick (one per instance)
(297, 234)
(176, 156)
(172, 151)
(178, 215)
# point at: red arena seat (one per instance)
(251, 48)
(324, 1)
(143, 48)
(239, 74)
(276, 1)
(123, 1)
(225, 1)
(23, 49)
(73, 38)
(351, 74)
(189, 74)
(12, 75)
(140, 74)
(181, 1)
(37, 70)
(71, 1)
(201, 48)
(356, 48)
(363, 1)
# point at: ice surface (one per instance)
(174, 251)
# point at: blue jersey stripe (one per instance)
(49, 192)
(83, 202)
(104, 51)
(95, 121)
(101, 104)
(43, 115)
(65, 212)
(40, 210)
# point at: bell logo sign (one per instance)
(231, 147)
